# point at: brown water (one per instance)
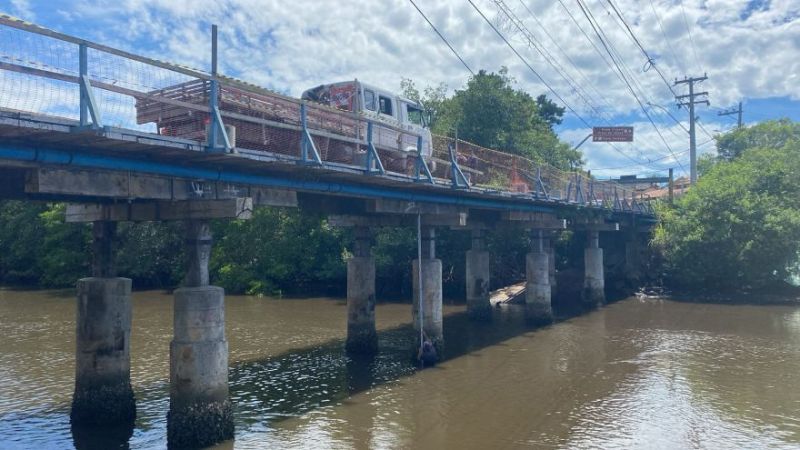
(636, 374)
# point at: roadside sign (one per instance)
(612, 134)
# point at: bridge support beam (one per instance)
(362, 337)
(538, 307)
(431, 293)
(200, 412)
(477, 278)
(103, 393)
(593, 280)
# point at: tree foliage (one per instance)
(740, 224)
(770, 134)
(490, 112)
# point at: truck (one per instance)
(397, 121)
(262, 120)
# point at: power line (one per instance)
(536, 44)
(650, 60)
(589, 16)
(664, 35)
(525, 61)
(442, 37)
(691, 38)
(602, 98)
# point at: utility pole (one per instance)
(732, 111)
(689, 100)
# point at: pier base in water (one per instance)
(478, 305)
(200, 412)
(362, 338)
(103, 393)
(593, 282)
(538, 307)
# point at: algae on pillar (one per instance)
(103, 393)
(431, 293)
(593, 282)
(361, 335)
(200, 412)
(538, 307)
(477, 278)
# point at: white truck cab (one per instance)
(382, 107)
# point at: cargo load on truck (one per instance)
(260, 120)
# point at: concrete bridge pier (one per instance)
(477, 278)
(103, 393)
(200, 412)
(431, 292)
(593, 281)
(632, 261)
(551, 257)
(538, 307)
(362, 337)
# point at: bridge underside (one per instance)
(111, 175)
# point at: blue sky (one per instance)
(750, 50)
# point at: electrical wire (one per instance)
(675, 59)
(525, 61)
(691, 38)
(650, 60)
(589, 17)
(442, 37)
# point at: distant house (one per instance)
(680, 186)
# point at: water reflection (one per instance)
(634, 374)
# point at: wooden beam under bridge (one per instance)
(235, 208)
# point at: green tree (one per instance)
(490, 112)
(278, 249)
(770, 134)
(740, 224)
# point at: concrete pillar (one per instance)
(632, 261)
(431, 293)
(200, 412)
(361, 335)
(538, 308)
(103, 393)
(477, 278)
(551, 257)
(593, 281)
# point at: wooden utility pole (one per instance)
(737, 111)
(689, 100)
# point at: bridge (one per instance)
(122, 137)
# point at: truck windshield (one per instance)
(414, 114)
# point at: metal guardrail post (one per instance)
(216, 126)
(421, 167)
(88, 105)
(540, 187)
(307, 145)
(457, 178)
(372, 153)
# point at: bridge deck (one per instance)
(39, 134)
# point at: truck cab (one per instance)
(383, 108)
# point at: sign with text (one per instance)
(612, 134)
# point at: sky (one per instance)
(748, 49)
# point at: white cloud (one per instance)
(290, 46)
(22, 9)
